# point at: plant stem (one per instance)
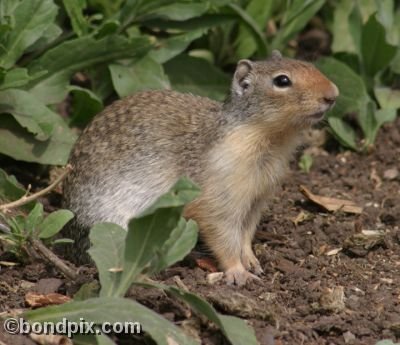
(26, 199)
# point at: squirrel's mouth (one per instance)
(317, 116)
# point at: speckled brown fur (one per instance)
(237, 151)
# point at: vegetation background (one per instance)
(62, 62)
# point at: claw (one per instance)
(239, 276)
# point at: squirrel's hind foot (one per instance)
(239, 276)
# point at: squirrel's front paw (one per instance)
(239, 276)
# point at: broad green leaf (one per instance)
(296, 16)
(179, 244)
(197, 76)
(206, 21)
(110, 27)
(253, 26)
(85, 105)
(10, 189)
(16, 142)
(395, 65)
(343, 132)
(48, 37)
(387, 97)
(29, 112)
(14, 78)
(346, 20)
(34, 218)
(367, 9)
(145, 74)
(100, 80)
(177, 10)
(148, 232)
(30, 20)
(389, 18)
(78, 54)
(112, 309)
(107, 251)
(74, 10)
(260, 11)
(371, 119)
(166, 49)
(376, 52)
(235, 329)
(353, 94)
(54, 222)
(183, 192)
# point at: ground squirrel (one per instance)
(236, 151)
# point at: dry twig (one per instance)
(26, 199)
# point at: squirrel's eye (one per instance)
(282, 81)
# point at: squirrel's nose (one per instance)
(331, 95)
(329, 100)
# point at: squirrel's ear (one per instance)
(241, 78)
(276, 55)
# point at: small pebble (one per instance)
(391, 174)
(215, 277)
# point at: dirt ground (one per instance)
(326, 281)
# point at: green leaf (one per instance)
(110, 27)
(387, 97)
(148, 232)
(179, 244)
(353, 94)
(48, 37)
(29, 112)
(54, 222)
(343, 132)
(100, 80)
(346, 20)
(197, 76)
(34, 218)
(85, 105)
(173, 46)
(74, 10)
(87, 290)
(389, 18)
(260, 11)
(112, 309)
(16, 142)
(295, 18)
(14, 78)
(395, 65)
(183, 192)
(30, 19)
(371, 119)
(177, 10)
(305, 163)
(145, 74)
(10, 189)
(386, 342)
(253, 26)
(206, 21)
(235, 329)
(76, 55)
(107, 250)
(376, 52)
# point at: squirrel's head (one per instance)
(282, 90)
